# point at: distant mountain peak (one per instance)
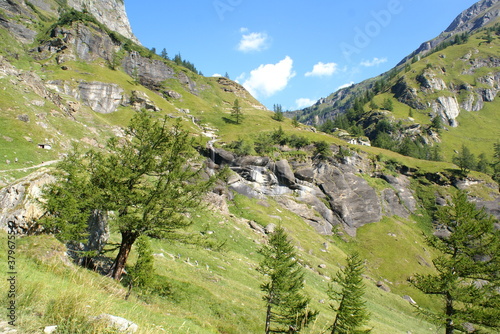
(475, 17)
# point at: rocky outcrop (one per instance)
(447, 108)
(407, 94)
(430, 82)
(101, 97)
(140, 100)
(323, 193)
(352, 199)
(15, 17)
(147, 70)
(83, 41)
(153, 72)
(19, 202)
(111, 13)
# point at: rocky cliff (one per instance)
(18, 16)
(111, 13)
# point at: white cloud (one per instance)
(269, 79)
(321, 69)
(374, 62)
(216, 75)
(346, 85)
(254, 41)
(304, 103)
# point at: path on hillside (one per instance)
(43, 164)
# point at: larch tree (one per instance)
(347, 293)
(286, 304)
(465, 160)
(236, 112)
(145, 179)
(467, 277)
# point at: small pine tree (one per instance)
(465, 160)
(295, 121)
(351, 314)
(287, 306)
(322, 149)
(143, 273)
(437, 123)
(496, 161)
(164, 54)
(236, 112)
(278, 113)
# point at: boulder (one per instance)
(381, 285)
(256, 227)
(409, 299)
(117, 323)
(305, 174)
(270, 228)
(284, 173)
(50, 329)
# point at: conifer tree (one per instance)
(467, 278)
(143, 271)
(287, 305)
(278, 113)
(351, 314)
(465, 160)
(164, 54)
(236, 112)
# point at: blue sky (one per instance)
(291, 52)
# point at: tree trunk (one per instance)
(268, 318)
(450, 327)
(128, 239)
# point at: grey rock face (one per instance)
(19, 202)
(447, 107)
(109, 12)
(351, 198)
(20, 31)
(149, 72)
(429, 81)
(323, 193)
(101, 97)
